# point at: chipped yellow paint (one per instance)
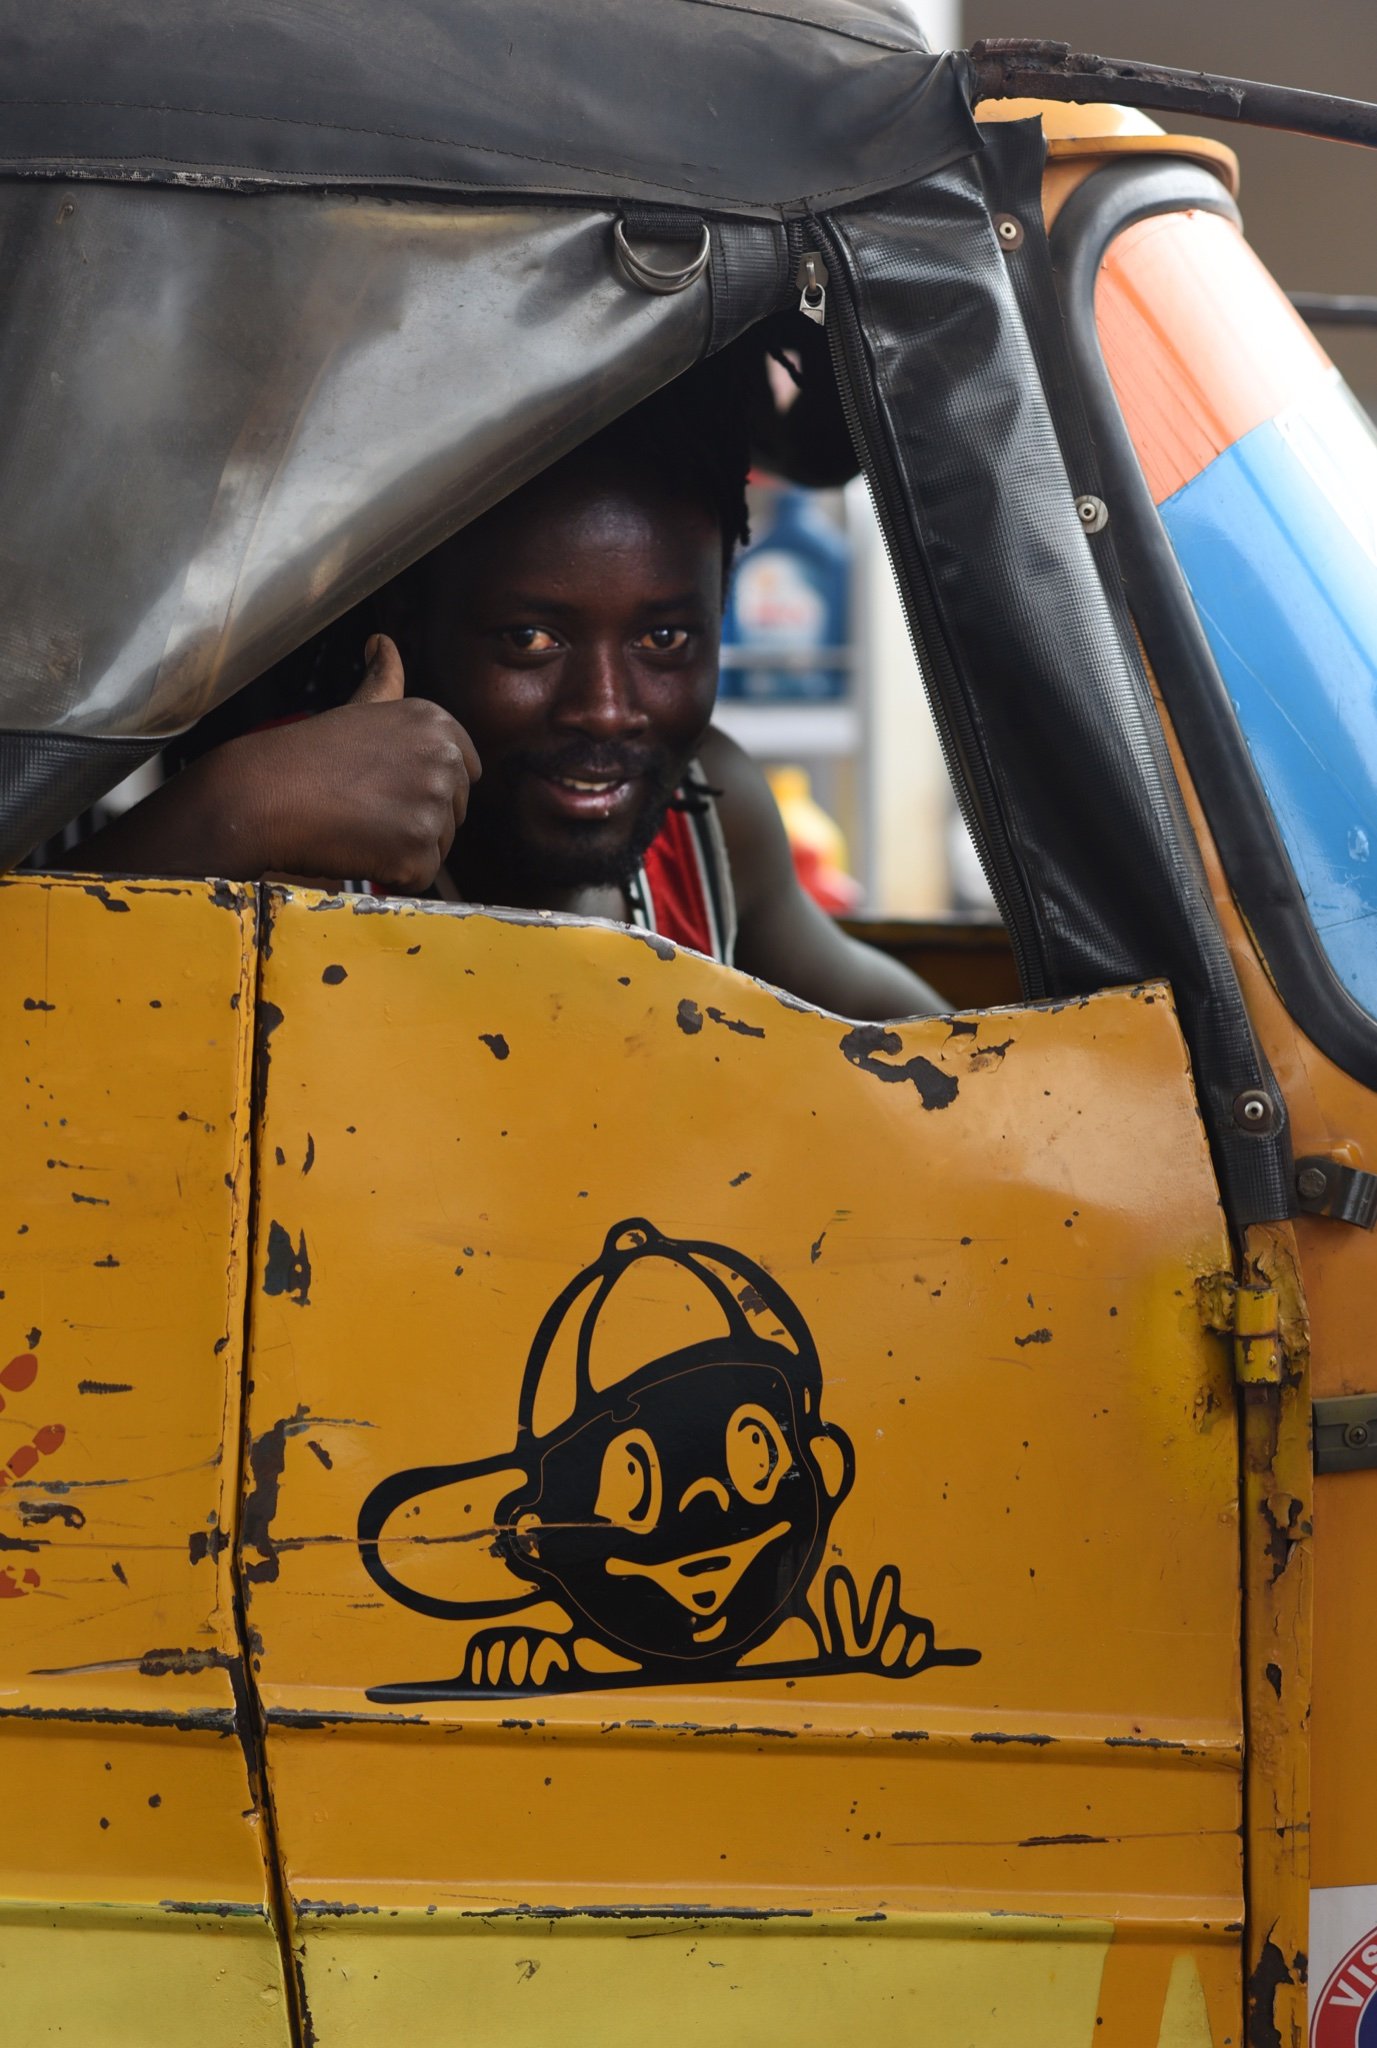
(1313, 1808)
(952, 1981)
(1277, 1577)
(991, 1230)
(124, 1043)
(129, 1977)
(1257, 1338)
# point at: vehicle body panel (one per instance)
(131, 1806)
(479, 1099)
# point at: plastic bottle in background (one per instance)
(816, 841)
(790, 591)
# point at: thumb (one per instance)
(384, 679)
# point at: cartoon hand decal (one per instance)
(883, 1637)
(513, 1659)
(16, 1378)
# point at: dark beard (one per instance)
(493, 859)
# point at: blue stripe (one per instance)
(1276, 539)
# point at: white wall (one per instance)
(940, 20)
(909, 797)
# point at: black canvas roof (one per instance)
(746, 106)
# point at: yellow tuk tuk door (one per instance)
(740, 1530)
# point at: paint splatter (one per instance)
(16, 1378)
(19, 1374)
(736, 1024)
(870, 1046)
(287, 1268)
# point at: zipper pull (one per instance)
(812, 283)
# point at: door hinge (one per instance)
(1257, 1337)
(1326, 1187)
(1346, 1433)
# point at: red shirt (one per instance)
(685, 890)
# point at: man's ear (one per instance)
(835, 1461)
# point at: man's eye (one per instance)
(665, 639)
(530, 639)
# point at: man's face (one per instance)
(574, 633)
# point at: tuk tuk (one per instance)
(395, 1291)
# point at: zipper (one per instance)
(811, 278)
(812, 244)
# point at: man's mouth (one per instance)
(589, 794)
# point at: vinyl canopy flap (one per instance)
(747, 108)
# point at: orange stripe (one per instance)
(1133, 1991)
(1201, 344)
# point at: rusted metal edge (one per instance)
(263, 1020)
(1013, 68)
(189, 1720)
(1277, 1586)
(1130, 1746)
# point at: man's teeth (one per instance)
(575, 782)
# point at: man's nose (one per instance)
(598, 696)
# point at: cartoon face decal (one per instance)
(681, 1521)
(673, 1511)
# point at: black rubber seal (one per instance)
(969, 414)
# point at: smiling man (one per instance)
(533, 730)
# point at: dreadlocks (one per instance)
(692, 436)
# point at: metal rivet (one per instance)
(1312, 1182)
(1093, 513)
(1255, 1110)
(1356, 1435)
(1009, 230)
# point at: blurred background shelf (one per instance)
(790, 732)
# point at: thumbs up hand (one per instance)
(384, 681)
(375, 790)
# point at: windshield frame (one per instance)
(1236, 807)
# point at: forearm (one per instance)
(788, 940)
(195, 824)
(880, 990)
(851, 978)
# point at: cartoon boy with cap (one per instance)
(668, 1516)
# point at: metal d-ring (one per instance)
(661, 281)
